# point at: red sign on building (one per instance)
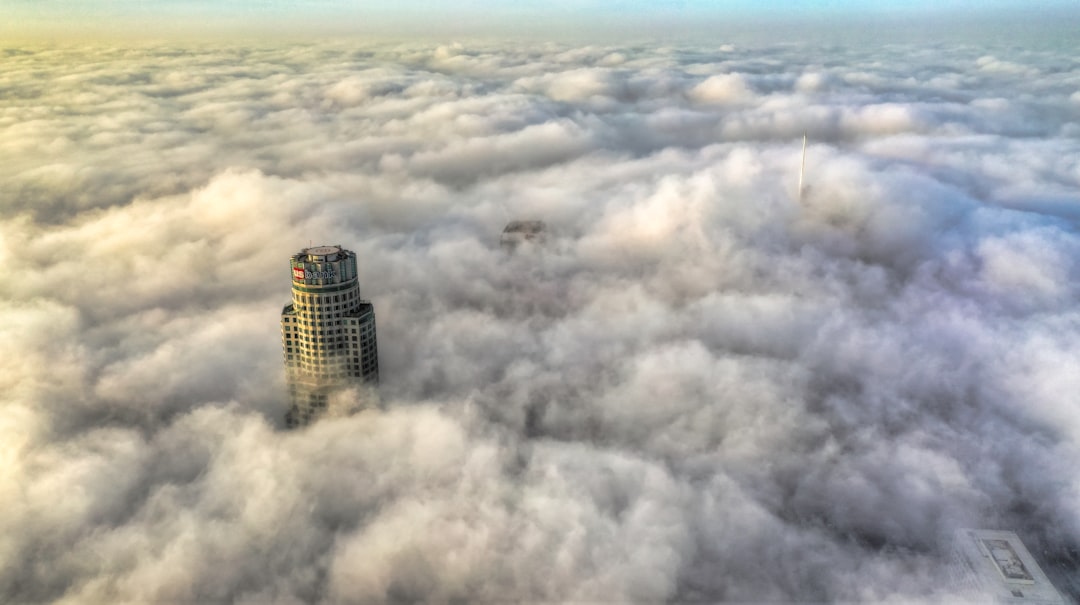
(298, 273)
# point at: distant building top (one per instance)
(997, 563)
(517, 232)
(527, 227)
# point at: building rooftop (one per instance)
(997, 563)
(321, 254)
(525, 227)
(517, 232)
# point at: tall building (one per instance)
(327, 332)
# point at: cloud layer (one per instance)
(698, 389)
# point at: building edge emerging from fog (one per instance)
(327, 332)
(997, 565)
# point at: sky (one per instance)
(701, 388)
(65, 19)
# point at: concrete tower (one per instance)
(327, 332)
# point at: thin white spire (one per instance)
(802, 166)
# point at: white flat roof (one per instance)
(1000, 564)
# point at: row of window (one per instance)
(302, 311)
(320, 344)
(328, 349)
(301, 315)
(337, 371)
(353, 370)
(320, 321)
(327, 298)
(325, 302)
(305, 361)
(299, 338)
(325, 331)
(364, 370)
(288, 330)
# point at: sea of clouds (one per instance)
(700, 389)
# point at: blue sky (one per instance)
(83, 17)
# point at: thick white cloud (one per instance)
(722, 88)
(698, 389)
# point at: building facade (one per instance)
(327, 332)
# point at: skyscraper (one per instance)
(327, 332)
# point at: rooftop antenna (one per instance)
(802, 166)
